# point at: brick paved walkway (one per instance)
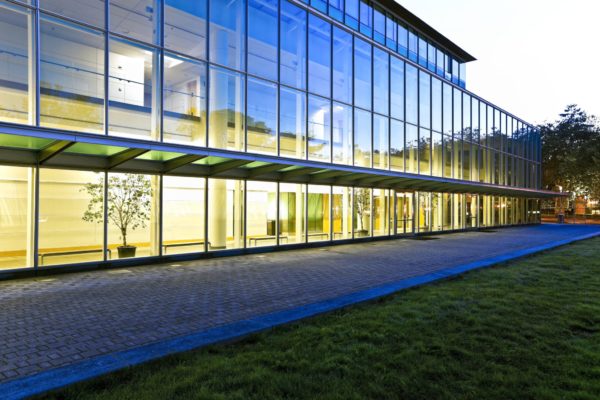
(46, 323)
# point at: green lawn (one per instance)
(523, 330)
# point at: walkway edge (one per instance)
(67, 375)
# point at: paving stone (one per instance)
(49, 323)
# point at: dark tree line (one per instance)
(571, 153)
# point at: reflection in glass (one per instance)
(261, 119)
(436, 212)
(261, 214)
(361, 218)
(319, 128)
(342, 65)
(342, 133)
(397, 145)
(226, 119)
(437, 154)
(292, 32)
(436, 104)
(448, 155)
(362, 138)
(291, 212)
(362, 76)
(319, 56)
(133, 90)
(342, 212)
(227, 33)
(381, 85)
(71, 77)
(397, 88)
(292, 125)
(225, 214)
(412, 95)
(318, 213)
(184, 100)
(412, 149)
(15, 104)
(262, 38)
(89, 11)
(183, 215)
(424, 212)
(185, 27)
(424, 151)
(424, 99)
(67, 233)
(16, 219)
(380, 142)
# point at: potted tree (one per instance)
(129, 204)
(362, 205)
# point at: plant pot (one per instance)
(361, 233)
(126, 251)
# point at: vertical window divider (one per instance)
(330, 213)
(36, 216)
(105, 216)
(372, 111)
(277, 217)
(305, 212)
(278, 124)
(161, 63)
(352, 95)
(205, 216)
(331, 144)
(36, 60)
(207, 105)
(245, 75)
(106, 65)
(160, 214)
(244, 186)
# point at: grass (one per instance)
(529, 329)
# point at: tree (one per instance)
(129, 202)
(362, 205)
(571, 153)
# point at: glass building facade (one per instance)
(243, 123)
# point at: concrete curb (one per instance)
(67, 375)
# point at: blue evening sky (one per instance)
(533, 56)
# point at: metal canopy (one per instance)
(31, 146)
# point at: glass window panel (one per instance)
(261, 119)
(380, 142)
(225, 216)
(413, 44)
(483, 123)
(466, 160)
(404, 213)
(226, 119)
(448, 152)
(381, 212)
(439, 63)
(436, 212)
(184, 100)
(397, 145)
(261, 214)
(457, 120)
(437, 157)
(466, 117)
(89, 11)
(318, 213)
(134, 19)
(447, 108)
(455, 72)
(391, 33)
(436, 104)
(431, 51)
(14, 65)
(424, 99)
(133, 225)
(342, 133)
(424, 151)
(71, 216)
(379, 26)
(185, 27)
(183, 215)
(362, 76)
(227, 33)
(291, 212)
(319, 56)
(319, 129)
(336, 9)
(133, 89)
(16, 218)
(342, 65)
(475, 120)
(71, 77)
(412, 149)
(424, 211)
(362, 138)
(320, 5)
(292, 125)
(381, 83)
(397, 88)
(422, 52)
(293, 45)
(402, 40)
(362, 212)
(352, 13)
(262, 38)
(342, 212)
(412, 99)
(366, 19)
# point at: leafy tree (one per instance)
(129, 202)
(362, 205)
(571, 152)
